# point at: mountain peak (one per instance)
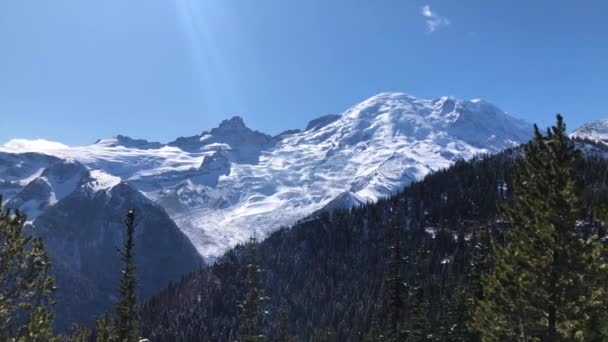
(235, 123)
(391, 96)
(233, 180)
(321, 121)
(594, 130)
(128, 142)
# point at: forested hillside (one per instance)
(408, 266)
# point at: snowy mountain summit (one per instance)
(596, 131)
(225, 184)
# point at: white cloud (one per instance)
(37, 145)
(433, 20)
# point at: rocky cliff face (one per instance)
(79, 214)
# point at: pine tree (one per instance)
(126, 309)
(394, 285)
(250, 305)
(79, 334)
(419, 307)
(374, 335)
(419, 324)
(480, 264)
(105, 330)
(26, 285)
(455, 317)
(38, 327)
(282, 334)
(546, 283)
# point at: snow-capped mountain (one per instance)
(79, 214)
(225, 184)
(48, 186)
(124, 141)
(82, 233)
(596, 131)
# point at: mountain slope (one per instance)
(53, 183)
(329, 274)
(79, 214)
(371, 150)
(82, 233)
(225, 184)
(596, 131)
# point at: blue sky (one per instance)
(74, 71)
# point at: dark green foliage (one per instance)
(374, 334)
(127, 325)
(105, 330)
(25, 283)
(455, 316)
(329, 273)
(419, 325)
(394, 287)
(250, 305)
(79, 334)
(548, 279)
(282, 332)
(38, 327)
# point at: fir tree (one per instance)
(126, 309)
(25, 283)
(79, 334)
(374, 334)
(250, 305)
(419, 324)
(480, 264)
(282, 334)
(419, 306)
(394, 285)
(105, 330)
(546, 283)
(455, 315)
(38, 327)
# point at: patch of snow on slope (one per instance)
(103, 181)
(25, 181)
(48, 186)
(63, 178)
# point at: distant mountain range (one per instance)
(208, 192)
(223, 185)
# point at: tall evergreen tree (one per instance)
(282, 334)
(26, 285)
(105, 331)
(126, 309)
(419, 307)
(480, 264)
(249, 329)
(546, 283)
(374, 334)
(79, 334)
(455, 315)
(394, 285)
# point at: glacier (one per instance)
(224, 185)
